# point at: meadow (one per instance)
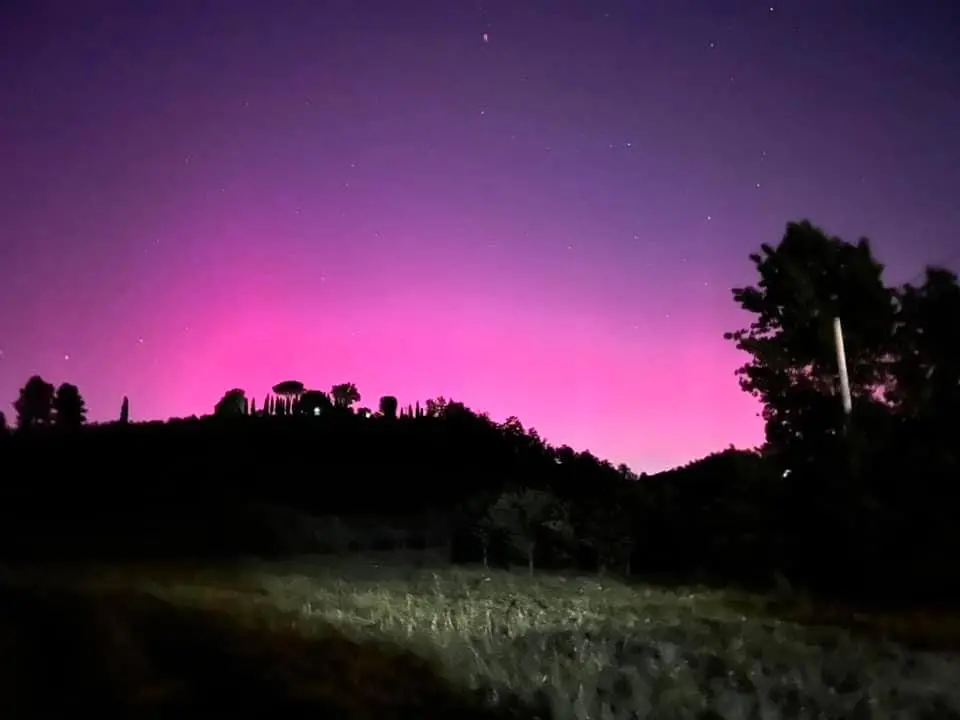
(392, 635)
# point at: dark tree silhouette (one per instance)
(35, 405)
(3, 424)
(314, 402)
(841, 472)
(435, 407)
(125, 410)
(473, 515)
(69, 408)
(523, 515)
(609, 529)
(232, 404)
(345, 395)
(289, 392)
(925, 394)
(806, 281)
(926, 364)
(388, 406)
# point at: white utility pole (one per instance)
(842, 364)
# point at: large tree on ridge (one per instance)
(806, 281)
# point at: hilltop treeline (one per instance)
(854, 503)
(429, 465)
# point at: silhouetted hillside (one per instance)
(857, 499)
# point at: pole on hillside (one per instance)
(842, 365)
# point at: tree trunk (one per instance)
(530, 552)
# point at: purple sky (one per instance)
(537, 207)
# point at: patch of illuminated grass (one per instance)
(576, 647)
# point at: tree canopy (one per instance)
(345, 395)
(233, 403)
(289, 388)
(69, 407)
(35, 405)
(805, 282)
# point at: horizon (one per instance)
(538, 210)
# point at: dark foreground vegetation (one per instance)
(326, 633)
(131, 655)
(858, 507)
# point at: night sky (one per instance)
(537, 207)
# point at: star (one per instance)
(486, 37)
(66, 356)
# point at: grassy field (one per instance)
(389, 637)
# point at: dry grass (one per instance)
(933, 629)
(130, 655)
(561, 647)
